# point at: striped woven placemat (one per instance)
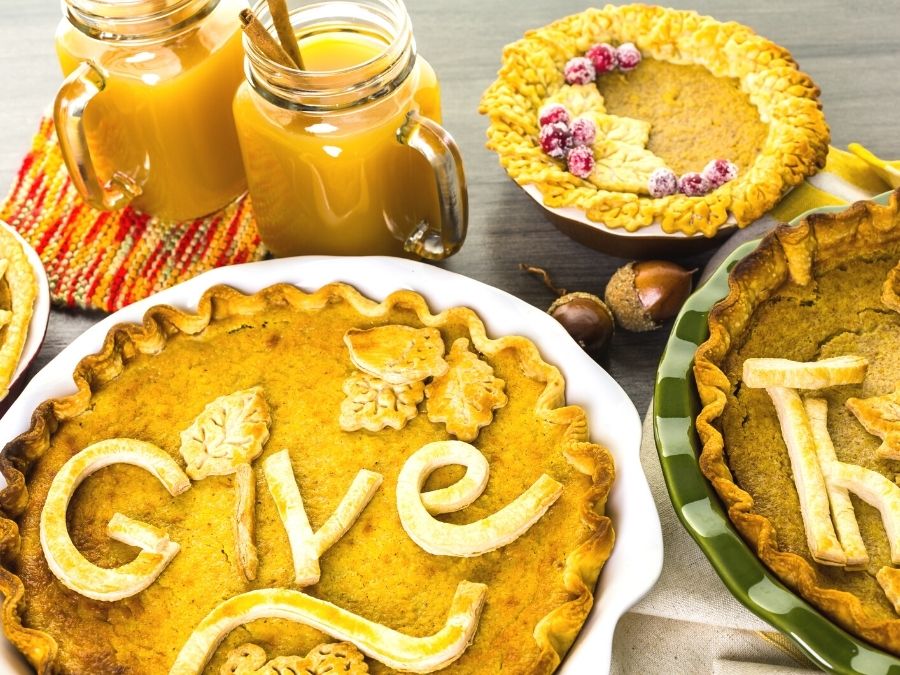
(106, 260)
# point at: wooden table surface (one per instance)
(851, 49)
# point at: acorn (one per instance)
(642, 295)
(584, 316)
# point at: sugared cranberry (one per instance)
(604, 58)
(583, 131)
(581, 161)
(663, 182)
(719, 171)
(553, 112)
(556, 139)
(693, 184)
(580, 70)
(628, 56)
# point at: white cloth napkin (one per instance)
(690, 623)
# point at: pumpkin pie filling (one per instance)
(375, 570)
(683, 133)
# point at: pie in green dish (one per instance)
(806, 296)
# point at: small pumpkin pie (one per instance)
(304, 482)
(801, 414)
(642, 115)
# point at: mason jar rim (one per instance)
(135, 20)
(312, 91)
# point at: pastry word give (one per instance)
(232, 431)
(224, 439)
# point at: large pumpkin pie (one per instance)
(315, 483)
(682, 121)
(801, 418)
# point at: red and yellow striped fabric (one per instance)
(106, 260)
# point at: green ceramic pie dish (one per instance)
(675, 406)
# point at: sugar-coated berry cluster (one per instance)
(719, 171)
(599, 59)
(571, 142)
(664, 182)
(580, 70)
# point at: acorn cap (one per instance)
(623, 299)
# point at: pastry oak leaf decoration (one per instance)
(625, 130)
(373, 404)
(579, 98)
(230, 430)
(622, 166)
(227, 435)
(465, 397)
(880, 415)
(324, 659)
(397, 354)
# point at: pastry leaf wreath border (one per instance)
(786, 98)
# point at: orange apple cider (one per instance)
(336, 180)
(164, 116)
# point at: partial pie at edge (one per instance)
(126, 343)
(790, 262)
(17, 274)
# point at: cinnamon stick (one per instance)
(282, 19)
(263, 40)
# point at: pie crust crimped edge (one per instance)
(554, 633)
(819, 243)
(788, 100)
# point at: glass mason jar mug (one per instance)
(347, 156)
(144, 115)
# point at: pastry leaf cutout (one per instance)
(397, 354)
(229, 431)
(880, 415)
(373, 404)
(890, 291)
(579, 99)
(464, 399)
(623, 167)
(329, 658)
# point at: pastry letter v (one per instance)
(306, 546)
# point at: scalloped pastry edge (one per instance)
(819, 243)
(554, 633)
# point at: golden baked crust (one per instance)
(18, 288)
(126, 344)
(788, 258)
(787, 99)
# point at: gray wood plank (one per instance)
(851, 50)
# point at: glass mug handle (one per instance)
(72, 99)
(438, 147)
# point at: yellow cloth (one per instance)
(845, 179)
